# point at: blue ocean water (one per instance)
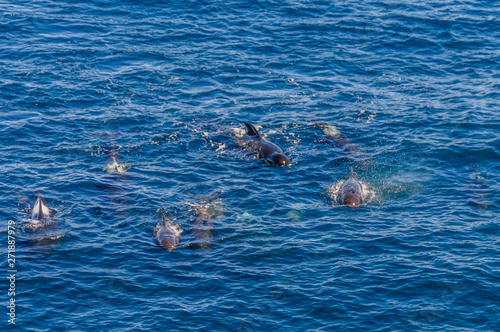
(412, 89)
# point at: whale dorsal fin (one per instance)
(164, 220)
(37, 210)
(46, 213)
(40, 211)
(251, 131)
(115, 164)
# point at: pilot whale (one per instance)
(40, 212)
(166, 235)
(207, 209)
(349, 151)
(351, 192)
(265, 149)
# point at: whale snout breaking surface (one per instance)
(351, 199)
(167, 239)
(352, 192)
(167, 235)
(265, 149)
(279, 159)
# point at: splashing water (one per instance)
(115, 167)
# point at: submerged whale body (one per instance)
(265, 149)
(206, 210)
(167, 236)
(352, 192)
(352, 152)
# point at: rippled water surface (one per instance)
(121, 112)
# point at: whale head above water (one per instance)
(351, 192)
(266, 150)
(167, 236)
(351, 199)
(168, 240)
(279, 159)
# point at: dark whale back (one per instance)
(251, 130)
(266, 149)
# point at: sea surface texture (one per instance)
(122, 113)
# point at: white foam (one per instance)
(331, 130)
(176, 229)
(34, 224)
(221, 147)
(115, 167)
(238, 132)
(334, 192)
